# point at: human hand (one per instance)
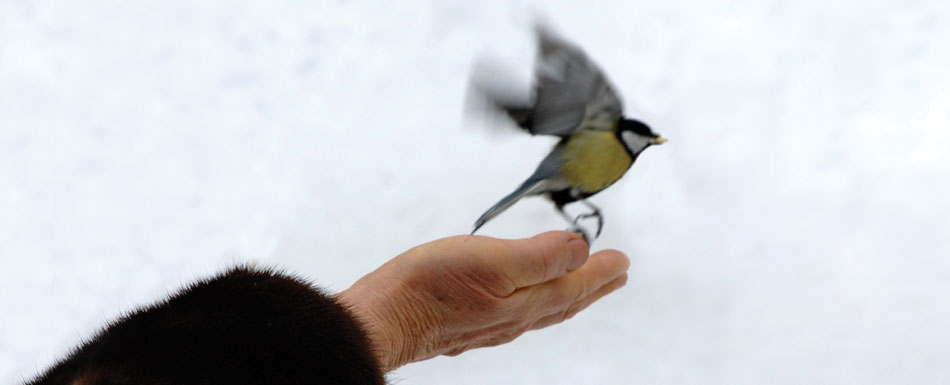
(469, 291)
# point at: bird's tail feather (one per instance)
(528, 187)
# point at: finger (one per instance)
(541, 258)
(580, 305)
(600, 269)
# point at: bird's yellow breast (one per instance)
(593, 160)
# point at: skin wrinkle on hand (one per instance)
(391, 331)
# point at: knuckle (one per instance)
(504, 333)
(545, 266)
(558, 256)
(553, 258)
(456, 351)
(510, 336)
(501, 339)
(570, 312)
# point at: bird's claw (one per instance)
(595, 213)
(600, 223)
(580, 231)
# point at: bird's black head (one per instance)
(637, 127)
(637, 136)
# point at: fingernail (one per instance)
(579, 253)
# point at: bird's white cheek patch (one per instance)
(635, 143)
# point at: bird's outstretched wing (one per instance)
(570, 92)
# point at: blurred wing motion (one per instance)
(570, 92)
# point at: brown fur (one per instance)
(242, 327)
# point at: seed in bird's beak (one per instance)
(659, 140)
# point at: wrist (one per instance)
(383, 334)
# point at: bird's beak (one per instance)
(659, 140)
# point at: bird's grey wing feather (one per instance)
(570, 89)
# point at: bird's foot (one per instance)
(583, 233)
(594, 214)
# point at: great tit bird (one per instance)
(572, 99)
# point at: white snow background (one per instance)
(795, 229)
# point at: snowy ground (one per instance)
(795, 229)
